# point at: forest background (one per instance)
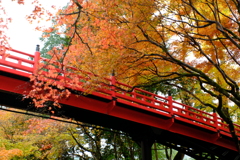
(188, 49)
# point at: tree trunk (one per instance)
(179, 156)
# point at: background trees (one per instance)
(25, 137)
(152, 43)
(158, 42)
(29, 137)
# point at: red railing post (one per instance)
(36, 60)
(215, 118)
(112, 104)
(113, 86)
(133, 95)
(3, 57)
(170, 105)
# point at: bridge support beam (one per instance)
(146, 149)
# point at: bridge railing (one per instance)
(18, 62)
(25, 64)
(165, 106)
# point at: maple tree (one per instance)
(103, 143)
(148, 43)
(154, 42)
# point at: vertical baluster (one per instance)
(188, 112)
(20, 62)
(133, 94)
(170, 105)
(152, 99)
(36, 60)
(4, 57)
(113, 85)
(143, 98)
(215, 120)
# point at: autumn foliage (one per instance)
(142, 41)
(146, 43)
(31, 137)
(28, 137)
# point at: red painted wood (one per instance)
(16, 72)
(137, 105)
(36, 62)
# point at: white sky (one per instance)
(23, 36)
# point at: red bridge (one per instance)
(147, 117)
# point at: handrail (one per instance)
(19, 62)
(137, 98)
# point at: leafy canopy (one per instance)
(148, 43)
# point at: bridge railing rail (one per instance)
(25, 64)
(168, 107)
(18, 62)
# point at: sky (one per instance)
(23, 36)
